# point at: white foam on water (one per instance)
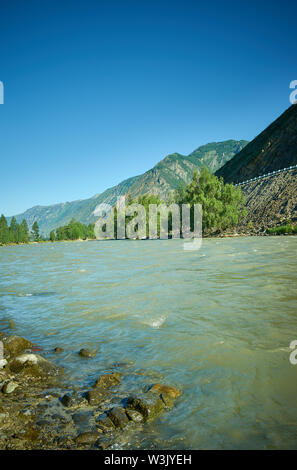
(279, 350)
(156, 322)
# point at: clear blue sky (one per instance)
(97, 91)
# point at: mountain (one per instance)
(273, 149)
(175, 169)
(271, 201)
(51, 217)
(164, 177)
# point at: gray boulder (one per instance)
(34, 365)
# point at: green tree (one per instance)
(74, 231)
(23, 232)
(222, 204)
(52, 236)
(13, 231)
(35, 231)
(61, 233)
(4, 230)
(145, 200)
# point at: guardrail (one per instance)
(272, 173)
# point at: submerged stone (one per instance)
(134, 416)
(107, 380)
(118, 416)
(82, 418)
(104, 424)
(88, 437)
(87, 353)
(67, 401)
(95, 396)
(172, 392)
(71, 400)
(98, 393)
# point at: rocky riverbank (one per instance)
(38, 410)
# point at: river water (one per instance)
(216, 323)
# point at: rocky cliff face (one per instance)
(271, 201)
(274, 148)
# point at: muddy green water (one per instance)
(216, 323)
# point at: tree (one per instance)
(13, 229)
(74, 231)
(52, 236)
(145, 200)
(15, 233)
(222, 204)
(35, 231)
(4, 230)
(23, 232)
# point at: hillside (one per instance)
(51, 217)
(175, 169)
(271, 201)
(166, 175)
(274, 148)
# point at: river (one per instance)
(216, 323)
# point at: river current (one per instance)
(216, 323)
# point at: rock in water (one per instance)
(34, 365)
(67, 401)
(104, 424)
(167, 393)
(172, 392)
(99, 390)
(87, 353)
(82, 419)
(107, 380)
(88, 437)
(96, 396)
(149, 405)
(134, 415)
(14, 345)
(118, 416)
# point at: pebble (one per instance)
(3, 363)
(9, 387)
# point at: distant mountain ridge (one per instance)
(164, 177)
(175, 169)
